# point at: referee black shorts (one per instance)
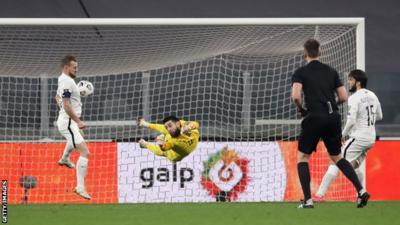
(321, 126)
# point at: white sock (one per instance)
(329, 177)
(81, 170)
(69, 147)
(360, 176)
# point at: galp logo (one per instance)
(225, 175)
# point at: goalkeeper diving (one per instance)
(177, 140)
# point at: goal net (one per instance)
(232, 76)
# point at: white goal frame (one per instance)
(359, 22)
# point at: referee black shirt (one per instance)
(319, 82)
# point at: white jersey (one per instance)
(67, 88)
(364, 110)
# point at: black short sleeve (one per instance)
(338, 82)
(297, 78)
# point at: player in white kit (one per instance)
(69, 101)
(364, 109)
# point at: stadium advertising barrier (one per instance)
(233, 171)
(241, 172)
(383, 176)
(34, 176)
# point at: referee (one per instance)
(319, 83)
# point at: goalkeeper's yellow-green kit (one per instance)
(176, 148)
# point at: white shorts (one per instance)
(69, 129)
(356, 149)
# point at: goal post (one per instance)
(232, 75)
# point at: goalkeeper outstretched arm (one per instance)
(153, 126)
(156, 149)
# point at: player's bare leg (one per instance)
(81, 170)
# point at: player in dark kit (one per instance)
(319, 83)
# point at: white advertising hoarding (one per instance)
(223, 171)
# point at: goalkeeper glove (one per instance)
(142, 143)
(160, 139)
(187, 128)
(142, 122)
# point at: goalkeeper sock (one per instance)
(328, 178)
(304, 176)
(81, 170)
(69, 147)
(349, 172)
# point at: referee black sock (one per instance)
(349, 172)
(304, 176)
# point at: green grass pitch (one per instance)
(206, 213)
